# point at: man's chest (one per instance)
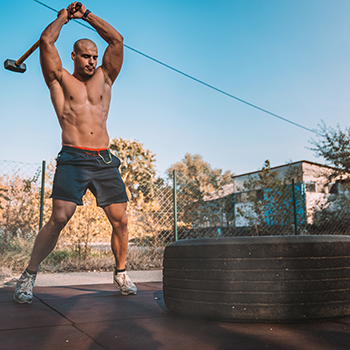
(95, 91)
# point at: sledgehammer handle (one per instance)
(36, 45)
(27, 54)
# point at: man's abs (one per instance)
(82, 110)
(82, 133)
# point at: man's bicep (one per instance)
(112, 61)
(51, 64)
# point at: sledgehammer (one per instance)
(19, 65)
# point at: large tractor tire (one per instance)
(259, 279)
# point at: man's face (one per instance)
(85, 59)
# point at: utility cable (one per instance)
(198, 80)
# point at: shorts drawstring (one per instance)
(100, 155)
(110, 157)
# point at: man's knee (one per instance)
(62, 211)
(120, 222)
(123, 221)
(59, 221)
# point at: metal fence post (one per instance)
(234, 202)
(42, 194)
(175, 205)
(295, 209)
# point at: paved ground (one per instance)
(77, 278)
(96, 316)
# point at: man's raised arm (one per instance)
(51, 64)
(113, 56)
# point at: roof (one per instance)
(285, 165)
(220, 193)
(228, 188)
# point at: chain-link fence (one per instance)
(165, 209)
(19, 201)
(255, 209)
(162, 210)
(303, 200)
(24, 171)
(297, 198)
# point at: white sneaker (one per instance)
(123, 282)
(24, 288)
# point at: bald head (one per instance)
(83, 42)
(85, 59)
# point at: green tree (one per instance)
(137, 167)
(147, 211)
(333, 144)
(196, 180)
(196, 176)
(333, 216)
(2, 195)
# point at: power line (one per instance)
(198, 80)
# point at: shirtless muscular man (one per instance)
(81, 101)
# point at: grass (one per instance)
(15, 258)
(138, 258)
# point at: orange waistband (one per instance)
(88, 149)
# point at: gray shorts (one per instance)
(79, 169)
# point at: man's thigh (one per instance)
(116, 212)
(62, 210)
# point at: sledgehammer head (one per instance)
(11, 65)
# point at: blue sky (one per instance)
(291, 57)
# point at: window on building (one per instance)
(310, 187)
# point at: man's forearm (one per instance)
(105, 30)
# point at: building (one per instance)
(267, 197)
